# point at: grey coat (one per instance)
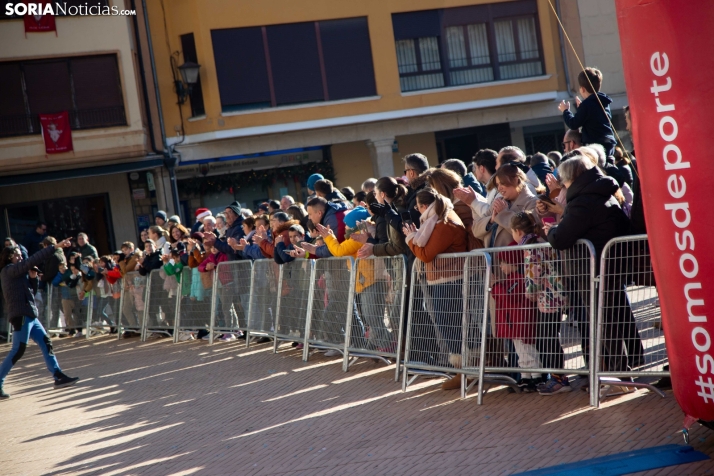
(17, 292)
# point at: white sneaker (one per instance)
(228, 338)
(78, 334)
(184, 336)
(333, 353)
(206, 337)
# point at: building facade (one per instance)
(361, 84)
(90, 68)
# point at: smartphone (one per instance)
(406, 218)
(546, 198)
(550, 220)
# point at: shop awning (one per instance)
(92, 171)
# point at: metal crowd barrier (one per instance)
(332, 305)
(446, 320)
(629, 319)
(194, 313)
(132, 303)
(231, 298)
(106, 309)
(163, 299)
(434, 336)
(493, 315)
(295, 289)
(263, 299)
(374, 329)
(541, 310)
(65, 311)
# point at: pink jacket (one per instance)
(225, 276)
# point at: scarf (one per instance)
(526, 239)
(428, 221)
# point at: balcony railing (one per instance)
(23, 124)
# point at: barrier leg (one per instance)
(308, 318)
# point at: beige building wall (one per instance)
(601, 43)
(122, 214)
(352, 164)
(412, 144)
(77, 36)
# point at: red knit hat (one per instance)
(202, 213)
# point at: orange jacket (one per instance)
(449, 236)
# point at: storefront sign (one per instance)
(144, 221)
(150, 182)
(237, 164)
(138, 193)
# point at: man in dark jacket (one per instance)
(328, 214)
(85, 249)
(414, 166)
(33, 239)
(21, 310)
(234, 221)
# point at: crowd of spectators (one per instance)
(589, 191)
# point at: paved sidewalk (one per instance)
(180, 409)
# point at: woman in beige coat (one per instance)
(494, 229)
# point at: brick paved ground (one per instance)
(179, 409)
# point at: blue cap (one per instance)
(355, 215)
(312, 179)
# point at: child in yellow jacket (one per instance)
(371, 290)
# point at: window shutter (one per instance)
(416, 24)
(188, 46)
(97, 92)
(295, 63)
(13, 116)
(12, 99)
(347, 54)
(48, 86)
(96, 82)
(241, 68)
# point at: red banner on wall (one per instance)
(56, 132)
(40, 22)
(668, 72)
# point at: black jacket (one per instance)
(541, 170)
(591, 213)
(637, 214)
(381, 234)
(626, 171)
(51, 265)
(415, 187)
(613, 171)
(16, 287)
(590, 116)
(151, 262)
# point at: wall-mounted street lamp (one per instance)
(189, 77)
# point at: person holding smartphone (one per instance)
(18, 281)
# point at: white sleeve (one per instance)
(627, 192)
